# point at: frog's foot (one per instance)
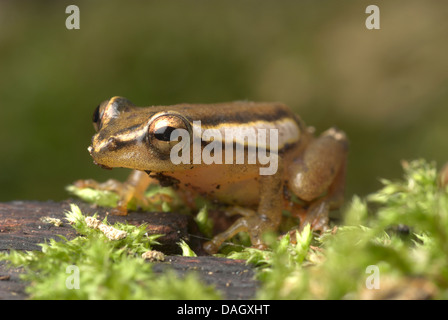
(250, 222)
(133, 187)
(124, 190)
(317, 216)
(109, 185)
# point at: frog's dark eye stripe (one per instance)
(164, 133)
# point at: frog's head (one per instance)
(132, 137)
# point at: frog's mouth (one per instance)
(90, 149)
(102, 165)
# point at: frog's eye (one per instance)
(97, 115)
(164, 133)
(110, 109)
(119, 104)
(161, 129)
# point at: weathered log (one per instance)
(22, 228)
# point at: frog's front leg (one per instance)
(318, 177)
(134, 187)
(267, 217)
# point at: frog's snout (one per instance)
(90, 149)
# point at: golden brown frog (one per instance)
(249, 157)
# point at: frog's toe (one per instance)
(317, 216)
(119, 211)
(88, 183)
(210, 247)
(254, 225)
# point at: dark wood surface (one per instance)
(21, 228)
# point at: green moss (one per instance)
(102, 269)
(186, 250)
(401, 231)
(205, 224)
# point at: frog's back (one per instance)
(238, 112)
(244, 114)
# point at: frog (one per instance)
(307, 176)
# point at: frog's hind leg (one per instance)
(133, 187)
(318, 177)
(240, 225)
(318, 211)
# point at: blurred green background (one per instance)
(387, 88)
